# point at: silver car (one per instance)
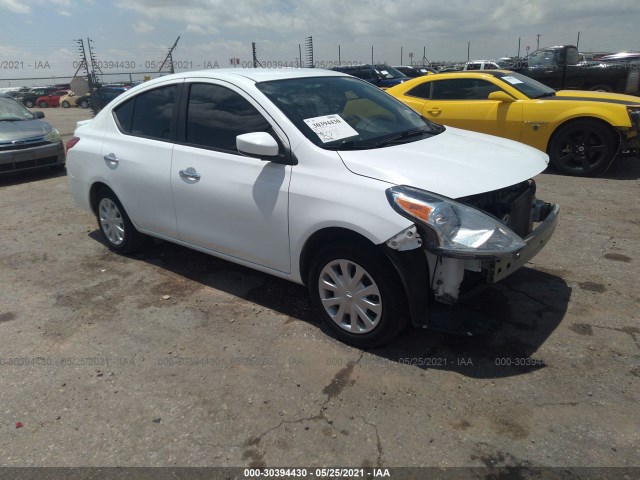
(27, 141)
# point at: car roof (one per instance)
(461, 73)
(254, 75)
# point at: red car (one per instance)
(52, 100)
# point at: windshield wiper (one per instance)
(350, 145)
(404, 136)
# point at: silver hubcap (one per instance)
(111, 221)
(350, 296)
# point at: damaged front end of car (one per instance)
(483, 237)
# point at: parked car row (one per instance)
(51, 97)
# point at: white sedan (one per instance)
(316, 177)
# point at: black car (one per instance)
(28, 99)
(413, 71)
(382, 76)
(27, 141)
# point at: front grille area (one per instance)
(23, 143)
(26, 164)
(511, 206)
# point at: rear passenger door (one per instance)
(226, 202)
(137, 150)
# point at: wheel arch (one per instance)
(411, 266)
(93, 194)
(577, 118)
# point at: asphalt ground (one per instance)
(175, 358)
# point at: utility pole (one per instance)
(169, 57)
(255, 56)
(468, 50)
(94, 62)
(308, 47)
(401, 56)
(578, 41)
(519, 38)
(339, 56)
(538, 44)
(425, 60)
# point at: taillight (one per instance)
(72, 141)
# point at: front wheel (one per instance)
(43, 105)
(584, 148)
(116, 227)
(65, 104)
(358, 295)
(29, 103)
(84, 104)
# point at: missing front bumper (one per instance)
(536, 240)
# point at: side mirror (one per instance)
(257, 144)
(38, 115)
(501, 96)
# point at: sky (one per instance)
(38, 38)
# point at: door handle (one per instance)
(434, 111)
(190, 174)
(111, 158)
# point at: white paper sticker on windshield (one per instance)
(330, 128)
(512, 80)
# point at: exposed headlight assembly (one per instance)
(52, 136)
(452, 228)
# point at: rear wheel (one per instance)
(65, 104)
(29, 103)
(84, 103)
(43, 104)
(116, 227)
(358, 295)
(584, 148)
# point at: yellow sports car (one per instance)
(581, 131)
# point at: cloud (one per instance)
(15, 6)
(143, 27)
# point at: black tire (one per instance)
(601, 88)
(65, 104)
(114, 224)
(29, 103)
(583, 148)
(43, 105)
(385, 312)
(84, 104)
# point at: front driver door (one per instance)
(224, 201)
(463, 103)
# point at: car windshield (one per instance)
(541, 58)
(389, 72)
(11, 110)
(346, 113)
(528, 86)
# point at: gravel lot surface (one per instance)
(175, 358)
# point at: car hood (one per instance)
(23, 129)
(455, 163)
(587, 95)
